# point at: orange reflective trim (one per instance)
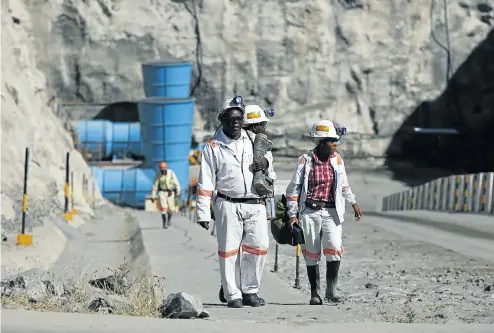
(332, 252)
(338, 158)
(253, 250)
(311, 255)
(227, 254)
(204, 193)
(302, 160)
(212, 143)
(292, 198)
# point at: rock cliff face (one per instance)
(28, 121)
(367, 64)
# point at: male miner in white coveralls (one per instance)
(227, 168)
(316, 195)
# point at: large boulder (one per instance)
(182, 305)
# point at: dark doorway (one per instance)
(467, 105)
(121, 112)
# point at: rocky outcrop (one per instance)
(28, 120)
(366, 64)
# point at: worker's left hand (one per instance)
(358, 213)
(204, 224)
(260, 164)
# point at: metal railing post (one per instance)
(468, 206)
(489, 204)
(477, 199)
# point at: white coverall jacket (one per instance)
(321, 227)
(226, 168)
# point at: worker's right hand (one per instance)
(204, 224)
(293, 220)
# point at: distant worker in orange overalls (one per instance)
(166, 186)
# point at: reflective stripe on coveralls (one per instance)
(320, 229)
(244, 224)
(226, 167)
(325, 225)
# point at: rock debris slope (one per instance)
(367, 64)
(28, 121)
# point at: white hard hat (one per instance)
(324, 129)
(232, 103)
(254, 114)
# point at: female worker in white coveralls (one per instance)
(227, 168)
(316, 195)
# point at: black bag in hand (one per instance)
(281, 229)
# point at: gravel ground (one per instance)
(385, 277)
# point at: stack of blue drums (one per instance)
(103, 138)
(166, 117)
(163, 134)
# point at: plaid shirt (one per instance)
(321, 179)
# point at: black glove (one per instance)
(260, 164)
(204, 224)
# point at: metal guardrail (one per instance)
(473, 193)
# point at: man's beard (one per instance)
(323, 152)
(164, 172)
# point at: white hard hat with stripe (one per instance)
(324, 129)
(254, 114)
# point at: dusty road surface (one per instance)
(392, 272)
(38, 322)
(407, 266)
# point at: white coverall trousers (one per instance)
(320, 230)
(241, 225)
(167, 202)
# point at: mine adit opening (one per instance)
(121, 112)
(467, 106)
(118, 114)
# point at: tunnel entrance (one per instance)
(467, 107)
(119, 112)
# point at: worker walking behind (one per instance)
(255, 123)
(227, 169)
(316, 195)
(166, 185)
